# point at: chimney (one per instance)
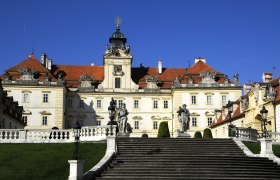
(43, 59)
(199, 59)
(160, 66)
(50, 64)
(267, 77)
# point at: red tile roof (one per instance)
(199, 67)
(236, 114)
(72, 73)
(30, 62)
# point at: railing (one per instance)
(275, 136)
(246, 134)
(88, 133)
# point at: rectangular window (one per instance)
(98, 123)
(25, 97)
(194, 122)
(209, 99)
(155, 125)
(81, 103)
(45, 120)
(119, 103)
(209, 121)
(24, 119)
(165, 104)
(136, 104)
(136, 124)
(224, 99)
(69, 103)
(45, 98)
(155, 104)
(193, 99)
(98, 103)
(117, 82)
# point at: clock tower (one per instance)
(117, 63)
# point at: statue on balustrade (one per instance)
(184, 118)
(122, 119)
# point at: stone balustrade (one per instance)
(246, 134)
(87, 133)
(275, 136)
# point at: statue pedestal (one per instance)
(183, 135)
(123, 135)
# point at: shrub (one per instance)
(197, 134)
(145, 135)
(163, 129)
(207, 134)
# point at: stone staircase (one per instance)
(154, 158)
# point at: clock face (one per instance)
(117, 68)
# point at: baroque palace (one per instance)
(58, 95)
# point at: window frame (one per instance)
(208, 120)
(155, 104)
(193, 99)
(44, 120)
(194, 121)
(224, 99)
(208, 99)
(136, 104)
(25, 98)
(165, 104)
(98, 103)
(155, 125)
(45, 97)
(24, 119)
(117, 83)
(136, 124)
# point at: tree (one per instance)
(163, 129)
(207, 134)
(197, 134)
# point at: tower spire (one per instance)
(118, 21)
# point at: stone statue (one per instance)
(176, 83)
(184, 118)
(112, 109)
(270, 92)
(122, 119)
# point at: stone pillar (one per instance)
(22, 135)
(111, 144)
(266, 147)
(76, 171)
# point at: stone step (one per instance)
(197, 175)
(185, 178)
(180, 168)
(195, 163)
(187, 172)
(191, 158)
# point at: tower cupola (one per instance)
(117, 39)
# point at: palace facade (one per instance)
(59, 95)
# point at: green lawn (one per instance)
(45, 161)
(255, 147)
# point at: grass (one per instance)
(45, 161)
(255, 148)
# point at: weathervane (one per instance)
(118, 21)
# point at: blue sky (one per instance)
(235, 36)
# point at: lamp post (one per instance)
(230, 110)
(77, 128)
(264, 112)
